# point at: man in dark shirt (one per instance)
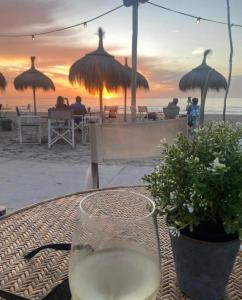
(78, 106)
(173, 104)
(79, 109)
(172, 110)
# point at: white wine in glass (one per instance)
(114, 251)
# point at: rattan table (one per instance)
(53, 221)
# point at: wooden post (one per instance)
(33, 68)
(35, 110)
(230, 59)
(125, 104)
(134, 59)
(95, 175)
(203, 98)
(101, 102)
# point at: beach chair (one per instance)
(110, 112)
(78, 116)
(142, 113)
(29, 128)
(130, 141)
(89, 119)
(25, 109)
(171, 112)
(60, 126)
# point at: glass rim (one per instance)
(118, 218)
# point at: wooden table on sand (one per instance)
(53, 221)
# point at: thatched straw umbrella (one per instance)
(3, 82)
(34, 79)
(203, 77)
(97, 70)
(140, 83)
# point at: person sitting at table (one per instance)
(172, 110)
(66, 102)
(60, 102)
(173, 104)
(78, 105)
(78, 109)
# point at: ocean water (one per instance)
(213, 105)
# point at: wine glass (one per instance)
(114, 253)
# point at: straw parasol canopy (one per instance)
(3, 82)
(141, 83)
(98, 70)
(203, 77)
(34, 79)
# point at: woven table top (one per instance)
(53, 222)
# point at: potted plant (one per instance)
(198, 186)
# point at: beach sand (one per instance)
(11, 149)
(32, 173)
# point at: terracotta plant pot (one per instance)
(203, 268)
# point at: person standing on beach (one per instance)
(193, 113)
(189, 102)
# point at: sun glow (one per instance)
(108, 95)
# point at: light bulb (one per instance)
(198, 20)
(33, 37)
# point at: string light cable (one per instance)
(197, 18)
(33, 35)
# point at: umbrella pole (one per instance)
(134, 59)
(35, 111)
(203, 98)
(125, 104)
(101, 101)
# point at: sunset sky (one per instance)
(169, 45)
